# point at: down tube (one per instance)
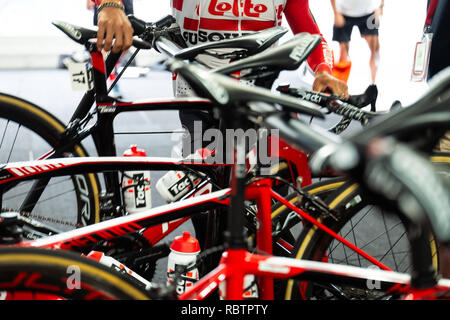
(329, 231)
(110, 229)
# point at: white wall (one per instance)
(29, 40)
(400, 28)
(23, 18)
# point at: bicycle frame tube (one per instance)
(103, 130)
(236, 263)
(110, 229)
(239, 262)
(103, 133)
(328, 231)
(298, 158)
(17, 172)
(234, 259)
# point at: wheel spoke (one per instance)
(4, 133)
(349, 257)
(17, 195)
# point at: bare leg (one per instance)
(344, 49)
(374, 46)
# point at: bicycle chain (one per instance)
(30, 215)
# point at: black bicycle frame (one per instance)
(102, 131)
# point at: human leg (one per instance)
(374, 46)
(368, 27)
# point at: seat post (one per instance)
(234, 235)
(99, 73)
(89, 97)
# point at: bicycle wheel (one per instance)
(27, 132)
(37, 274)
(374, 230)
(287, 225)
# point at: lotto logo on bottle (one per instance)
(136, 191)
(250, 9)
(180, 186)
(186, 281)
(139, 192)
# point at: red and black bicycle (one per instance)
(83, 239)
(371, 158)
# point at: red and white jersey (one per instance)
(213, 20)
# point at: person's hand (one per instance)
(339, 20)
(90, 4)
(326, 82)
(113, 23)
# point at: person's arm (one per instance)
(300, 19)
(113, 23)
(333, 5)
(339, 20)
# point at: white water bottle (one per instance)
(114, 264)
(137, 194)
(250, 288)
(183, 252)
(175, 184)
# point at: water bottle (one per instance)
(183, 253)
(250, 288)
(114, 264)
(175, 184)
(136, 186)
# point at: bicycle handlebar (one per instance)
(83, 35)
(140, 26)
(348, 108)
(308, 138)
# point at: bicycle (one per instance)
(157, 233)
(101, 130)
(237, 261)
(39, 274)
(356, 208)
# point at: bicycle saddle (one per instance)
(288, 56)
(225, 91)
(253, 43)
(83, 35)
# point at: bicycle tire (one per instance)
(31, 273)
(314, 244)
(38, 126)
(280, 212)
